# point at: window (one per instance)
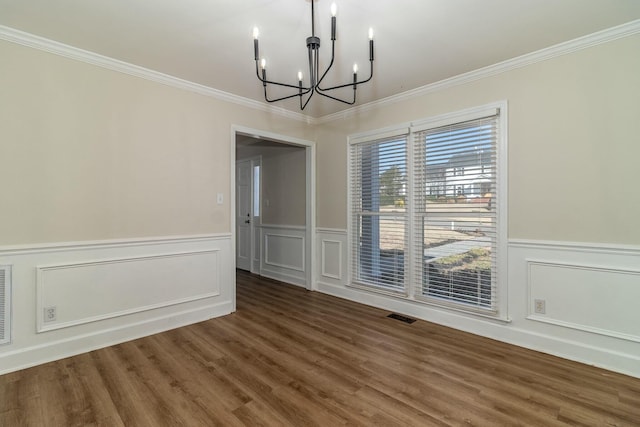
(378, 186)
(455, 236)
(425, 217)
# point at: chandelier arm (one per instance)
(266, 98)
(266, 81)
(302, 107)
(333, 49)
(316, 64)
(348, 84)
(338, 99)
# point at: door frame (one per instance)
(253, 162)
(310, 211)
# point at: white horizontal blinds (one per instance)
(379, 218)
(455, 214)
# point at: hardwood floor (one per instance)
(289, 357)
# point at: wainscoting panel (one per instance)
(90, 291)
(70, 298)
(589, 298)
(332, 249)
(283, 253)
(332, 259)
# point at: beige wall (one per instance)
(284, 177)
(284, 188)
(91, 154)
(574, 144)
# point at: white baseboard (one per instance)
(281, 277)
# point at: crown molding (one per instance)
(30, 40)
(600, 37)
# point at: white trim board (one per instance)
(283, 227)
(35, 248)
(30, 40)
(589, 247)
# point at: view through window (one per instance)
(429, 231)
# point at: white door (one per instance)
(244, 194)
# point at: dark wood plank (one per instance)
(289, 357)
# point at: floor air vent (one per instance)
(401, 318)
(5, 312)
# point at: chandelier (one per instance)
(305, 92)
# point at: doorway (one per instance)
(273, 205)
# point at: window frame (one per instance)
(408, 130)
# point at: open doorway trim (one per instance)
(310, 211)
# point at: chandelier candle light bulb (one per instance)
(370, 44)
(334, 10)
(256, 32)
(355, 76)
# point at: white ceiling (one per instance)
(418, 42)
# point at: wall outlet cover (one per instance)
(539, 306)
(50, 314)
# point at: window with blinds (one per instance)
(379, 214)
(427, 211)
(455, 213)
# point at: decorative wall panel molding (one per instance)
(332, 249)
(76, 293)
(283, 253)
(586, 297)
(332, 258)
(76, 297)
(286, 251)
